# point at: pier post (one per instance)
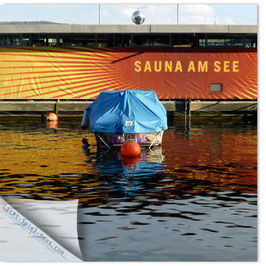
(187, 114)
(56, 107)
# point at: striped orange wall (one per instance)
(82, 73)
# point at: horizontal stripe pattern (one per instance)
(82, 73)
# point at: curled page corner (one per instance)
(38, 231)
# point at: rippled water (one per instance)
(193, 199)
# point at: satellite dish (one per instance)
(138, 17)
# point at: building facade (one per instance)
(61, 61)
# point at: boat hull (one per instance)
(116, 140)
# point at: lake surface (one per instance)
(193, 199)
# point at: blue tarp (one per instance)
(128, 111)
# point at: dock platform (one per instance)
(77, 107)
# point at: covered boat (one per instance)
(127, 115)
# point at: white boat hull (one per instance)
(116, 140)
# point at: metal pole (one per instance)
(177, 14)
(99, 14)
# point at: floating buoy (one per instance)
(130, 149)
(51, 117)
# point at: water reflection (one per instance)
(52, 124)
(126, 175)
(197, 194)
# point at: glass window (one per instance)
(122, 40)
(118, 40)
(77, 40)
(202, 40)
(101, 40)
(26, 40)
(4, 41)
(125, 40)
(217, 40)
(184, 40)
(39, 40)
(105, 40)
(175, 40)
(141, 40)
(251, 41)
(51, 40)
(159, 40)
(237, 40)
(10, 40)
(110, 40)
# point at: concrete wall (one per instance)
(73, 28)
(220, 106)
(195, 107)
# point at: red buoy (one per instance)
(51, 117)
(130, 149)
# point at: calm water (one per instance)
(193, 199)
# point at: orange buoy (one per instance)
(51, 117)
(130, 149)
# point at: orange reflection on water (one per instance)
(52, 124)
(54, 165)
(227, 160)
(43, 154)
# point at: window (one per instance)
(110, 40)
(184, 40)
(237, 40)
(202, 40)
(216, 40)
(51, 40)
(77, 40)
(10, 40)
(131, 40)
(26, 40)
(141, 40)
(122, 40)
(105, 40)
(160, 40)
(251, 41)
(39, 40)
